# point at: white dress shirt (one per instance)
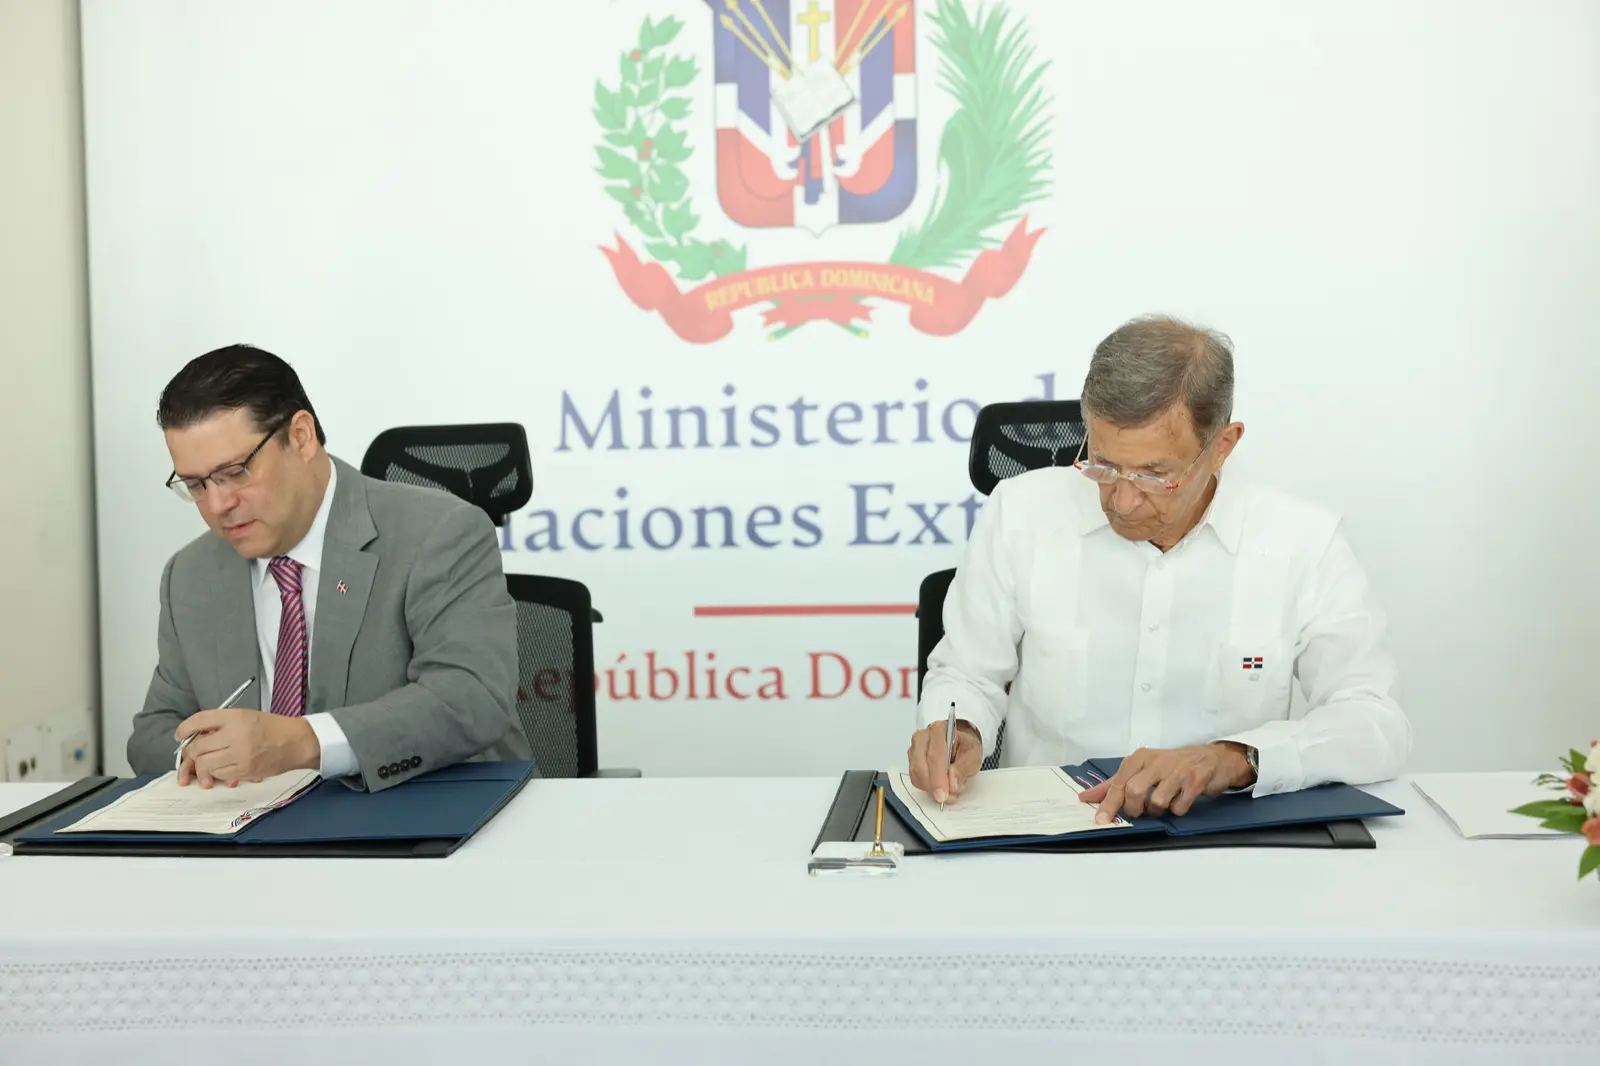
(1109, 645)
(337, 758)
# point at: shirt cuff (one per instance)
(1278, 766)
(935, 710)
(337, 758)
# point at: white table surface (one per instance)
(672, 919)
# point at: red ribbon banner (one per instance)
(808, 292)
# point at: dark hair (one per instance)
(227, 379)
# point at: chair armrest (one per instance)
(616, 772)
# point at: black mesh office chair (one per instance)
(1008, 439)
(1013, 438)
(488, 464)
(484, 463)
(930, 618)
(555, 674)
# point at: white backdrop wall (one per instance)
(1390, 206)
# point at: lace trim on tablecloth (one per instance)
(1307, 997)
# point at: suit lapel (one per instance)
(238, 652)
(339, 613)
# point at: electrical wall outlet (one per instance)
(67, 748)
(23, 748)
(77, 756)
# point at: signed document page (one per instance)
(1016, 801)
(162, 807)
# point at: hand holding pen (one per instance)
(177, 755)
(937, 766)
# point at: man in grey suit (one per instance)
(373, 617)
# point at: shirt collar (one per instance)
(308, 553)
(1224, 515)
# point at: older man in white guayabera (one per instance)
(1140, 602)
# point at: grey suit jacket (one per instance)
(416, 661)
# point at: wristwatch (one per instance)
(1251, 757)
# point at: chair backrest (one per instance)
(555, 673)
(930, 629)
(1013, 438)
(1008, 439)
(487, 464)
(930, 618)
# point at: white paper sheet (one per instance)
(163, 807)
(1478, 806)
(1014, 801)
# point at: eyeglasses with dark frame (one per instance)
(1149, 484)
(233, 477)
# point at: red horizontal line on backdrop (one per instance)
(790, 610)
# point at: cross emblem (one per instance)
(812, 20)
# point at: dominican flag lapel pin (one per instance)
(1252, 664)
(341, 588)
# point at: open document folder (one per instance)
(294, 815)
(161, 806)
(1019, 801)
(1022, 805)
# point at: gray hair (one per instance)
(1152, 363)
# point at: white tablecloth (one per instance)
(672, 920)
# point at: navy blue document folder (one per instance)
(429, 816)
(1212, 820)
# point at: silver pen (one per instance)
(949, 751)
(178, 754)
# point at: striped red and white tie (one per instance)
(289, 671)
